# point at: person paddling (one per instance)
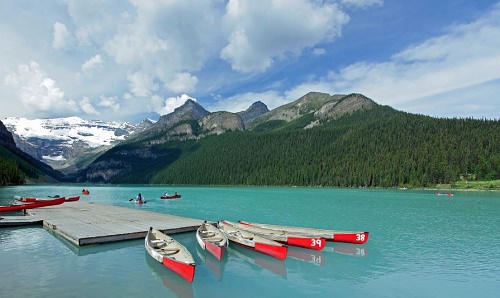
(139, 199)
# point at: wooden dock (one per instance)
(85, 223)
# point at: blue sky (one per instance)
(128, 60)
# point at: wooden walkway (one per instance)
(85, 223)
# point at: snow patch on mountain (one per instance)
(95, 133)
(57, 141)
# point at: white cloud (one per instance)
(465, 56)
(168, 105)
(259, 34)
(109, 102)
(168, 40)
(183, 82)
(362, 3)
(92, 63)
(38, 92)
(142, 84)
(241, 102)
(87, 107)
(319, 51)
(62, 36)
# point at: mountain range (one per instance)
(63, 143)
(319, 139)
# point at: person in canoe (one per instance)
(165, 194)
(139, 199)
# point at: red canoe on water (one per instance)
(285, 237)
(254, 241)
(171, 253)
(176, 196)
(329, 235)
(16, 207)
(34, 200)
(212, 239)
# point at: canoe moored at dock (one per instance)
(329, 235)
(171, 253)
(285, 237)
(33, 200)
(16, 207)
(254, 241)
(210, 238)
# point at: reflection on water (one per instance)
(420, 245)
(354, 250)
(215, 266)
(315, 257)
(172, 281)
(264, 261)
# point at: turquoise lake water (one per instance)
(420, 245)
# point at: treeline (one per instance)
(10, 174)
(376, 148)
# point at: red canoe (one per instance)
(171, 253)
(44, 203)
(34, 200)
(177, 196)
(210, 238)
(254, 241)
(329, 235)
(285, 237)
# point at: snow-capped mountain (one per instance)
(60, 141)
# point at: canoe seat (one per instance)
(207, 234)
(169, 251)
(158, 243)
(214, 239)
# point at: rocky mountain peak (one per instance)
(257, 109)
(190, 110)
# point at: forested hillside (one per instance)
(16, 167)
(379, 147)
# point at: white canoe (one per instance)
(254, 241)
(170, 253)
(285, 237)
(329, 235)
(210, 238)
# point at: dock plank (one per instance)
(85, 223)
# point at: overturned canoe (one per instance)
(171, 253)
(210, 238)
(329, 235)
(253, 241)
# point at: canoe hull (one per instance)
(34, 200)
(329, 235)
(210, 238)
(253, 241)
(315, 243)
(32, 205)
(184, 270)
(170, 197)
(169, 252)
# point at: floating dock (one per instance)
(85, 223)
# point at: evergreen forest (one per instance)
(380, 147)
